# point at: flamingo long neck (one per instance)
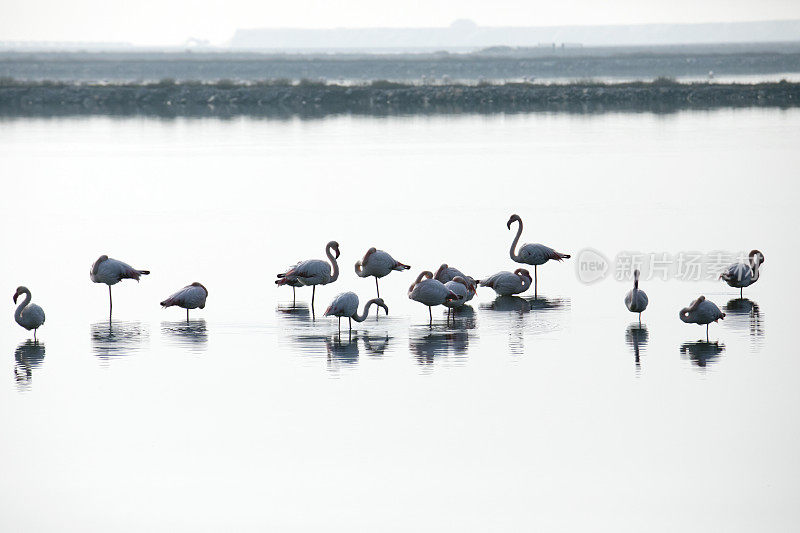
(363, 316)
(513, 255)
(755, 267)
(23, 304)
(332, 259)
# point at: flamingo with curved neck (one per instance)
(29, 316)
(531, 254)
(346, 305)
(743, 275)
(313, 272)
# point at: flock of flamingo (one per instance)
(448, 286)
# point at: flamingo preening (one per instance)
(313, 272)
(532, 254)
(507, 283)
(378, 264)
(29, 316)
(110, 271)
(701, 311)
(190, 297)
(346, 305)
(636, 299)
(742, 275)
(430, 292)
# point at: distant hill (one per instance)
(466, 35)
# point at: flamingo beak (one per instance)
(16, 295)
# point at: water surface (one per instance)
(554, 412)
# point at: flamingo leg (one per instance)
(313, 293)
(34, 334)
(110, 303)
(187, 315)
(640, 319)
(294, 295)
(350, 320)
(707, 332)
(377, 288)
(430, 313)
(535, 280)
(741, 292)
(340, 325)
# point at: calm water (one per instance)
(556, 413)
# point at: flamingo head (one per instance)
(756, 257)
(380, 303)
(451, 296)
(335, 247)
(512, 219)
(523, 272)
(19, 291)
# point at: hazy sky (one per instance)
(164, 22)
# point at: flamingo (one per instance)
(190, 297)
(507, 283)
(346, 304)
(378, 264)
(462, 288)
(701, 311)
(742, 275)
(313, 272)
(532, 254)
(110, 271)
(636, 299)
(430, 292)
(29, 316)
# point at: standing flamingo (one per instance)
(313, 272)
(507, 283)
(701, 311)
(346, 304)
(532, 254)
(430, 292)
(110, 271)
(378, 263)
(29, 316)
(741, 275)
(636, 300)
(190, 297)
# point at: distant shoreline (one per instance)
(314, 99)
